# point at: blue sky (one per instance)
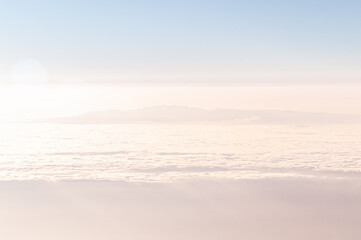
(243, 42)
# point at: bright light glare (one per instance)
(21, 102)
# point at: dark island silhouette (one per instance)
(182, 114)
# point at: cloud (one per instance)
(250, 209)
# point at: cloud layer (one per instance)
(172, 152)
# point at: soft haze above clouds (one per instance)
(33, 102)
(243, 42)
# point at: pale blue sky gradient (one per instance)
(244, 42)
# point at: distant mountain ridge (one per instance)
(169, 114)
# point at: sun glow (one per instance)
(21, 102)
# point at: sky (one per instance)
(69, 57)
(183, 42)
